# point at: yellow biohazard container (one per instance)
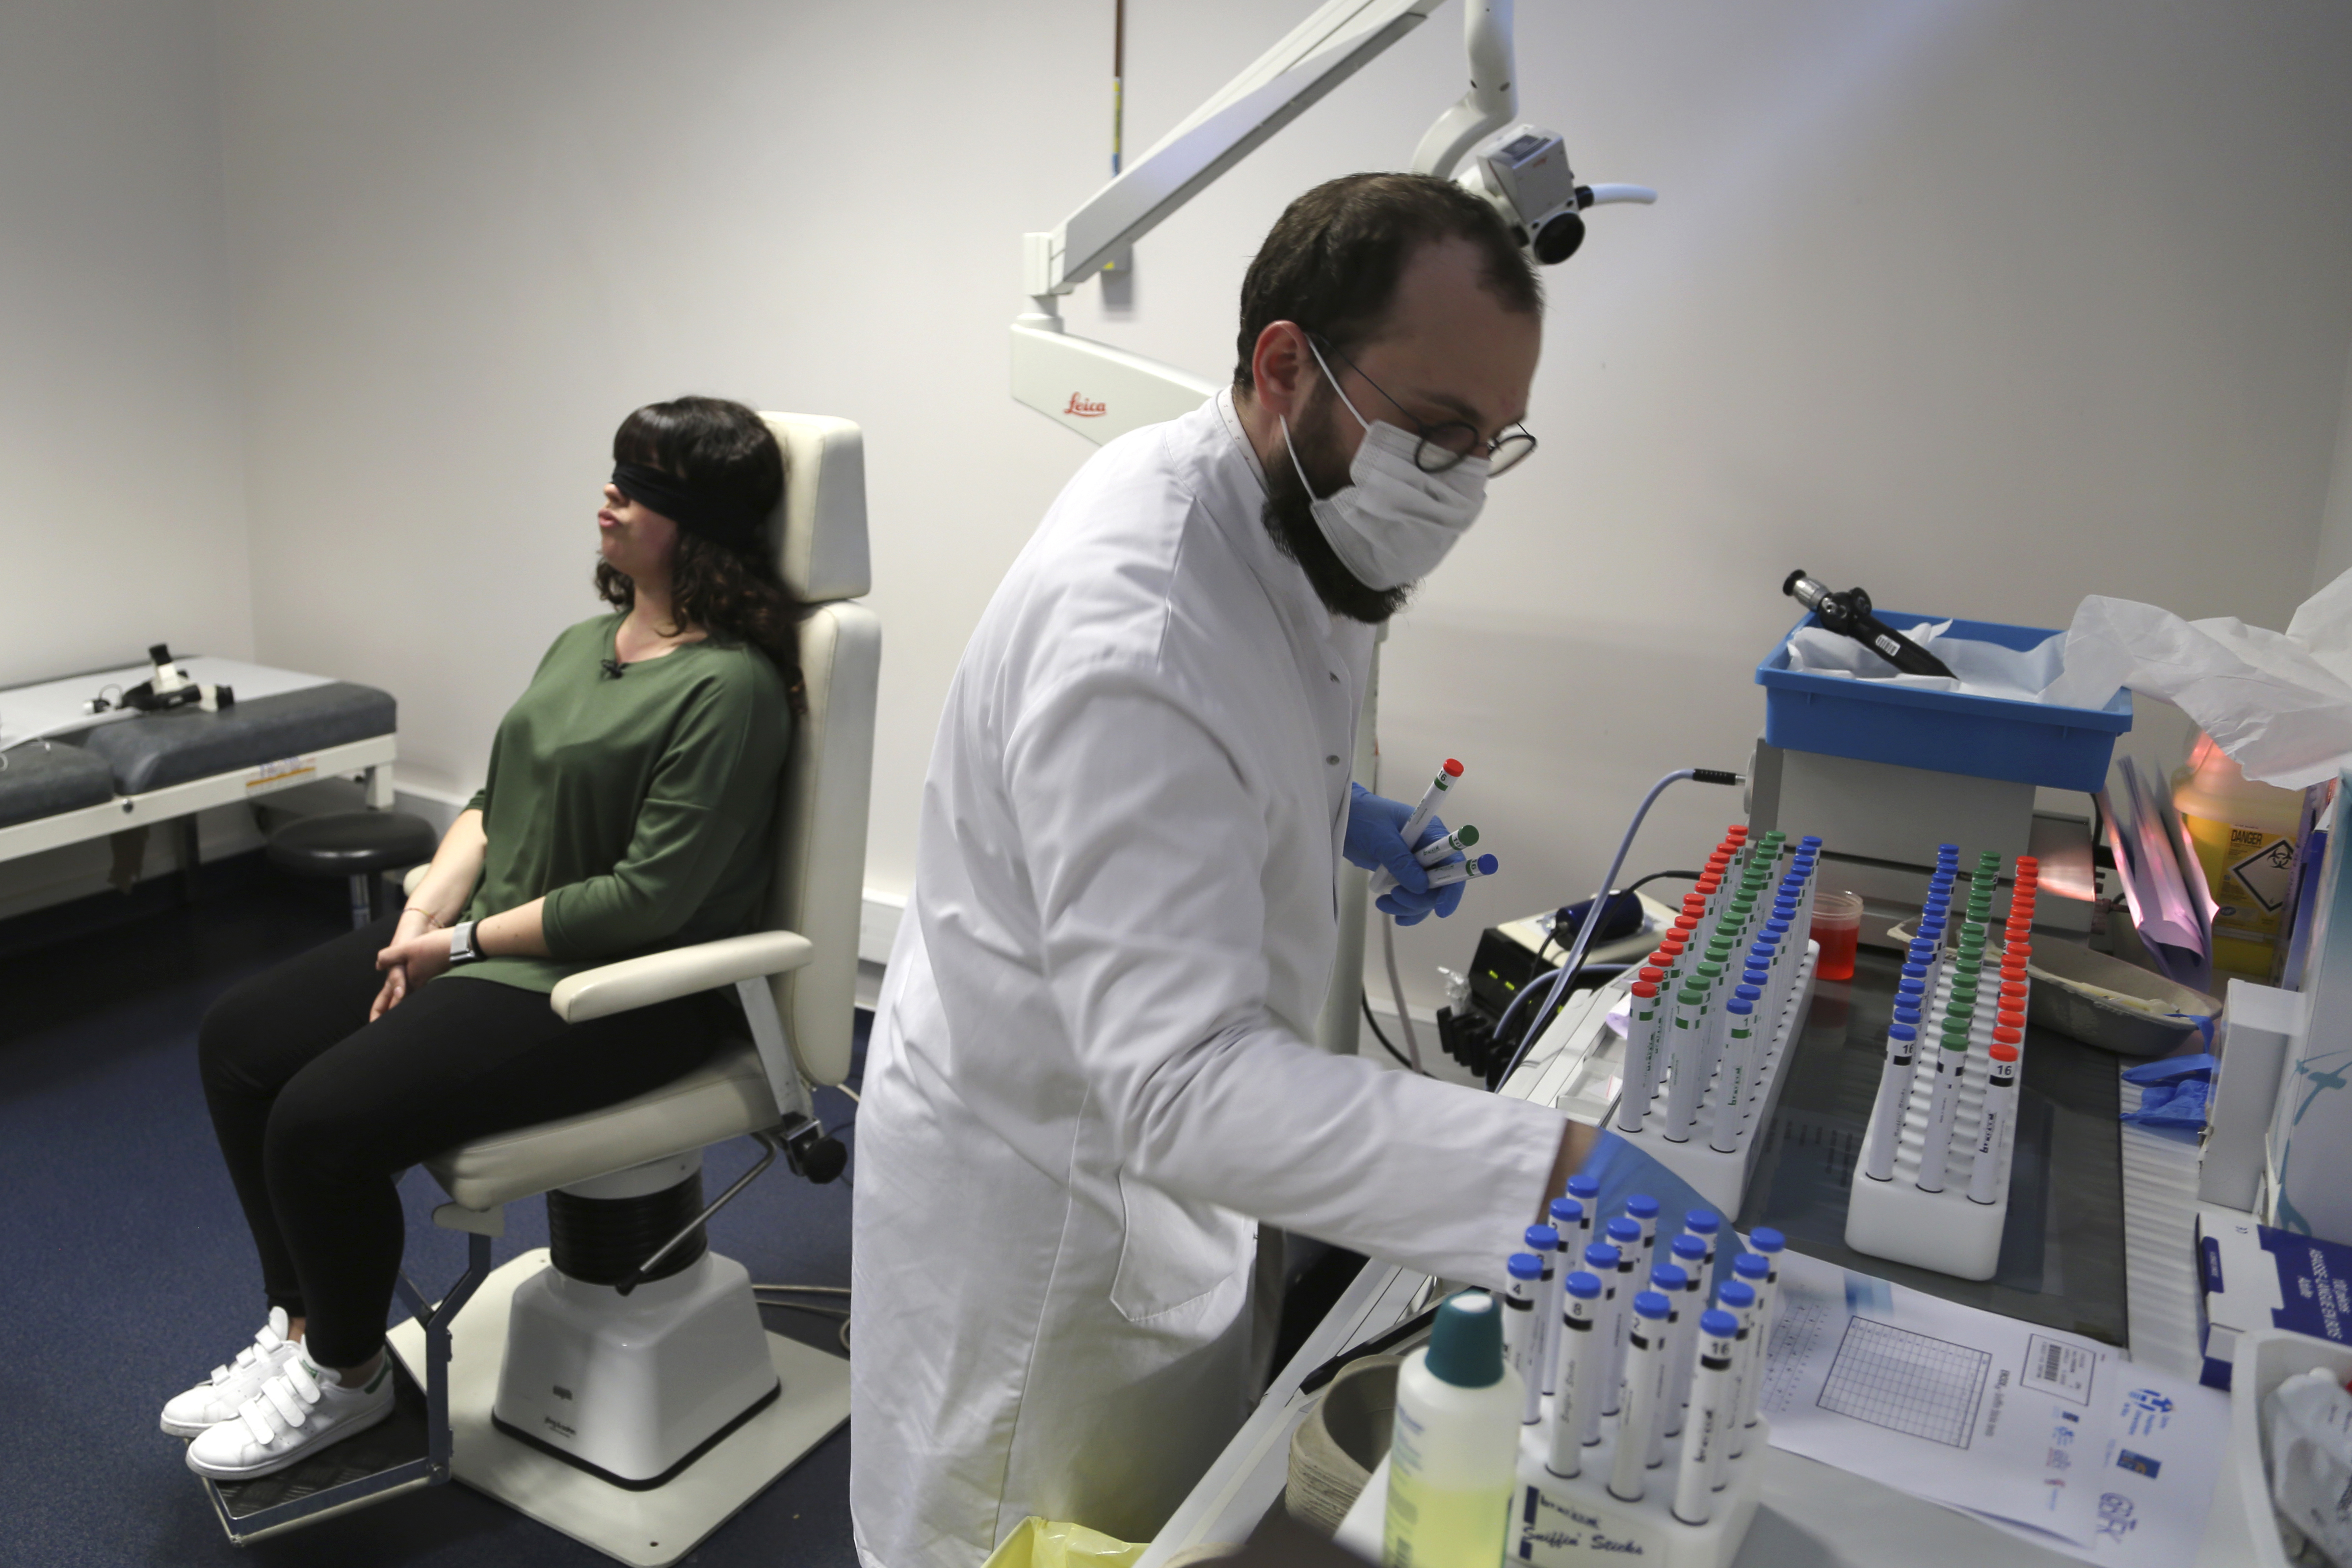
(2244, 834)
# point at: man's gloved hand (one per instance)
(1375, 841)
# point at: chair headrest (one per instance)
(819, 528)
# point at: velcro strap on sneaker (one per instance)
(268, 1340)
(298, 1372)
(282, 1398)
(257, 1418)
(222, 1374)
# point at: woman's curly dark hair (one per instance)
(726, 450)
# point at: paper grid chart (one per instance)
(1907, 1382)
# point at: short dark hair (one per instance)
(720, 448)
(1332, 260)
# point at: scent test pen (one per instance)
(1761, 980)
(1709, 975)
(1893, 1095)
(1690, 1264)
(1577, 1372)
(1641, 1055)
(1705, 1225)
(1569, 1219)
(1682, 1093)
(1949, 1062)
(1669, 1280)
(1600, 1261)
(1646, 1347)
(1523, 1329)
(1737, 1298)
(1544, 1242)
(1750, 1269)
(1642, 1210)
(1768, 1244)
(1647, 1050)
(1453, 1450)
(1625, 1236)
(1437, 850)
(1999, 1105)
(1585, 1190)
(1463, 870)
(1710, 1411)
(1731, 1092)
(1431, 799)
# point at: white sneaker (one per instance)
(300, 1411)
(216, 1401)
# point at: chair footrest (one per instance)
(388, 1458)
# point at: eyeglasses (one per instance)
(1443, 445)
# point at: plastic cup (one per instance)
(1837, 926)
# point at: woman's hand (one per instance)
(418, 952)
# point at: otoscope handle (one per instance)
(1897, 649)
(1849, 615)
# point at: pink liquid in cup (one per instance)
(1837, 926)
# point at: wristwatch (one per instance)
(462, 949)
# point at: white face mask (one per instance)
(1393, 523)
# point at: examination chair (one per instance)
(638, 1403)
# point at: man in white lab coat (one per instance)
(1090, 1076)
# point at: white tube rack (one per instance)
(1558, 1523)
(1946, 1231)
(1722, 1178)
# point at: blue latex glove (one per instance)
(1376, 842)
(2172, 1069)
(2177, 1091)
(2176, 1102)
(1622, 1170)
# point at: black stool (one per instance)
(359, 844)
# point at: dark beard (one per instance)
(1290, 519)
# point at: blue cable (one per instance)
(1592, 922)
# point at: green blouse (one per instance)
(640, 806)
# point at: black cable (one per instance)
(1365, 1003)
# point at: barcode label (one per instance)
(2056, 1366)
(281, 774)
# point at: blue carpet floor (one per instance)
(126, 1273)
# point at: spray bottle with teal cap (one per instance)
(1453, 1452)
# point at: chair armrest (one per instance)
(681, 972)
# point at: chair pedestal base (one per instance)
(648, 1527)
(632, 1388)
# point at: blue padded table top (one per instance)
(47, 781)
(158, 750)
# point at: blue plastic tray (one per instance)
(1946, 731)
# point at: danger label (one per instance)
(2268, 874)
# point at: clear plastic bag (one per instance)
(1044, 1544)
(2309, 1424)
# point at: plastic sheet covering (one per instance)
(2280, 703)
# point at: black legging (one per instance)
(319, 1111)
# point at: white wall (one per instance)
(123, 519)
(472, 238)
(2336, 526)
(1983, 305)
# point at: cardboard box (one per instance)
(2258, 1278)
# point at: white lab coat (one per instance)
(1088, 1076)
